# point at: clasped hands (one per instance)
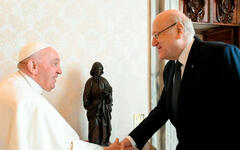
(123, 145)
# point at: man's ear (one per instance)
(32, 66)
(180, 30)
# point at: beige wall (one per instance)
(114, 32)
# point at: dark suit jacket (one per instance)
(208, 107)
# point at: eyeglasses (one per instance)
(156, 35)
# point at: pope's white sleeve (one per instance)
(82, 145)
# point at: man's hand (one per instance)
(115, 146)
(127, 144)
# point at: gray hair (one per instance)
(187, 23)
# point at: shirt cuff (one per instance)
(132, 141)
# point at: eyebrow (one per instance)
(56, 59)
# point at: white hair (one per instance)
(189, 31)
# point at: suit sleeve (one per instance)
(155, 120)
(157, 117)
(231, 80)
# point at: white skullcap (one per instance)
(30, 49)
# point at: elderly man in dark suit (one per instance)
(201, 88)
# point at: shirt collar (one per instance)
(33, 84)
(184, 55)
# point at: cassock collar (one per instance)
(33, 84)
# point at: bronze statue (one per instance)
(97, 98)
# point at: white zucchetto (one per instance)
(30, 49)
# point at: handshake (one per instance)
(125, 144)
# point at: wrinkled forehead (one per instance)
(50, 53)
(161, 22)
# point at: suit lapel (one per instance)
(189, 71)
(192, 60)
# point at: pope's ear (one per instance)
(32, 66)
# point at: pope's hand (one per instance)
(115, 146)
(127, 144)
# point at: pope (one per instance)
(28, 120)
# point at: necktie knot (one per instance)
(178, 64)
(177, 70)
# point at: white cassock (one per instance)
(29, 122)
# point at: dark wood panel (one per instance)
(229, 35)
(219, 34)
(196, 10)
(225, 11)
(212, 11)
(216, 20)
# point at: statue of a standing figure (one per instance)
(97, 98)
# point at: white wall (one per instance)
(114, 32)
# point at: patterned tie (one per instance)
(176, 86)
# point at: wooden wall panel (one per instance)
(219, 34)
(225, 11)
